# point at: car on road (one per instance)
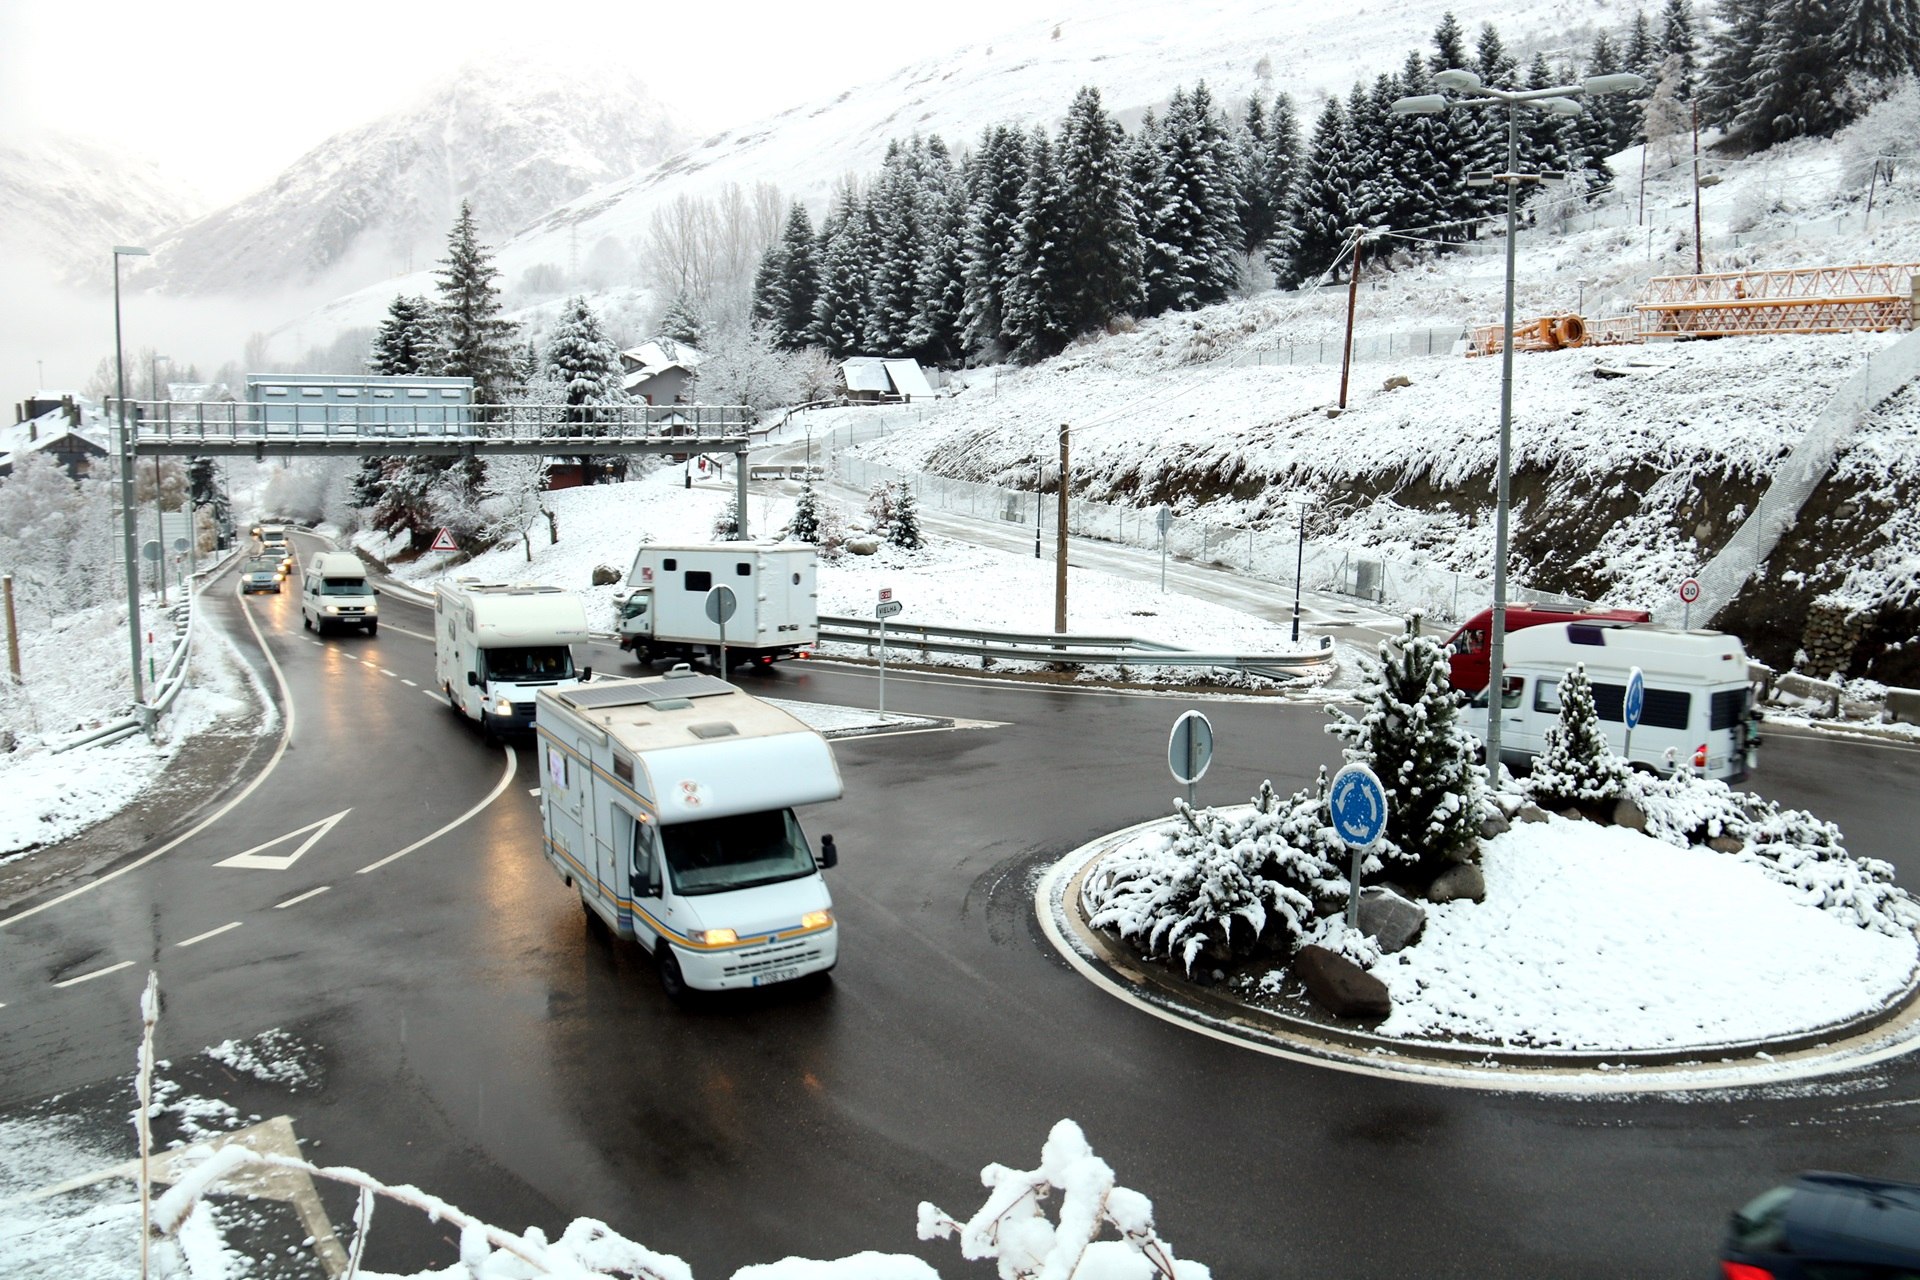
(263, 573)
(1826, 1225)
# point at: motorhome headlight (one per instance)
(816, 919)
(714, 937)
(503, 706)
(333, 608)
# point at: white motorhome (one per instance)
(334, 592)
(497, 644)
(667, 801)
(776, 602)
(1698, 715)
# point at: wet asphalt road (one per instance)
(478, 1039)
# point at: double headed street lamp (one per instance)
(1301, 501)
(126, 476)
(1557, 100)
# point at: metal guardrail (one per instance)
(1076, 650)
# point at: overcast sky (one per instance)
(232, 92)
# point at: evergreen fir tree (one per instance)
(1419, 151)
(1450, 45)
(473, 335)
(526, 366)
(797, 276)
(839, 314)
(1411, 735)
(1100, 251)
(1676, 40)
(1879, 39)
(894, 208)
(1496, 66)
(768, 300)
(1547, 141)
(995, 180)
(681, 321)
(1384, 151)
(1321, 211)
(584, 364)
(1791, 92)
(405, 344)
(1034, 322)
(1274, 170)
(806, 525)
(936, 334)
(1733, 50)
(1576, 765)
(903, 524)
(726, 525)
(1192, 214)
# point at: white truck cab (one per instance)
(668, 803)
(497, 644)
(1698, 715)
(335, 592)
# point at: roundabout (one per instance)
(1883, 1022)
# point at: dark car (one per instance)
(1826, 1226)
(261, 574)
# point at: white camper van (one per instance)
(496, 644)
(1699, 712)
(776, 602)
(334, 592)
(668, 803)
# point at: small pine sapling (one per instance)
(1577, 767)
(903, 529)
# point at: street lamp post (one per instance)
(1301, 502)
(159, 507)
(126, 477)
(1557, 100)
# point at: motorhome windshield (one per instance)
(739, 852)
(529, 663)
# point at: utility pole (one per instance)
(1353, 292)
(13, 630)
(1698, 266)
(1060, 544)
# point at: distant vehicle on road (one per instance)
(1469, 660)
(261, 574)
(336, 593)
(497, 644)
(776, 602)
(1826, 1226)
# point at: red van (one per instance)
(1468, 660)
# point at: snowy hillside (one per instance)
(1136, 52)
(69, 200)
(517, 138)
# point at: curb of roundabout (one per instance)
(1891, 1031)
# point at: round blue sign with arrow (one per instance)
(1357, 803)
(1636, 698)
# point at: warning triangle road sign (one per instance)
(281, 861)
(443, 541)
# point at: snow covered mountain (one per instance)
(70, 200)
(1137, 52)
(516, 138)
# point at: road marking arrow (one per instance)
(280, 862)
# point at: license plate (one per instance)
(775, 975)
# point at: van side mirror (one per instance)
(586, 674)
(829, 853)
(473, 679)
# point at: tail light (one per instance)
(1700, 756)
(1744, 1271)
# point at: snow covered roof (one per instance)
(656, 355)
(887, 377)
(38, 433)
(909, 379)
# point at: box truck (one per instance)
(1698, 714)
(776, 602)
(497, 644)
(668, 803)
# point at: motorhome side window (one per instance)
(670, 563)
(1663, 709)
(699, 580)
(1546, 696)
(743, 570)
(623, 767)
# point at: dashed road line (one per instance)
(97, 973)
(533, 791)
(385, 672)
(410, 684)
(211, 933)
(311, 893)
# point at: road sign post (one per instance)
(886, 608)
(1689, 592)
(720, 607)
(1634, 703)
(1165, 520)
(1190, 750)
(1357, 805)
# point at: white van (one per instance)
(496, 644)
(335, 593)
(667, 801)
(1699, 714)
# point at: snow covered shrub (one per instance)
(903, 530)
(1576, 766)
(880, 505)
(726, 525)
(1790, 846)
(1224, 885)
(805, 524)
(1411, 735)
(1012, 1227)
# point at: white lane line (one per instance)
(506, 777)
(432, 693)
(403, 680)
(385, 672)
(533, 791)
(211, 933)
(97, 973)
(311, 893)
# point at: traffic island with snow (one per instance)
(1586, 916)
